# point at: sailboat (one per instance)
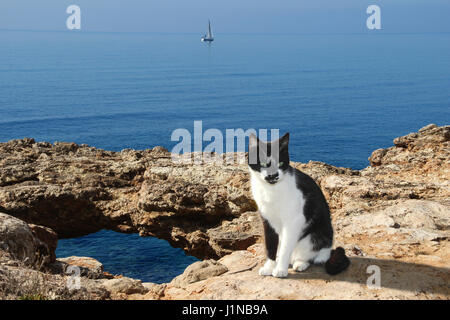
(209, 36)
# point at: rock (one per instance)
(198, 271)
(377, 157)
(237, 234)
(399, 280)
(428, 127)
(420, 214)
(93, 289)
(89, 267)
(76, 190)
(204, 196)
(48, 237)
(124, 285)
(155, 291)
(159, 149)
(19, 282)
(27, 269)
(18, 240)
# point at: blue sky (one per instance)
(229, 16)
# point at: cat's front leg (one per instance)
(289, 238)
(267, 268)
(271, 242)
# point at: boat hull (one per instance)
(207, 40)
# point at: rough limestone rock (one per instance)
(25, 244)
(19, 282)
(399, 280)
(198, 271)
(48, 237)
(89, 267)
(17, 239)
(237, 234)
(76, 190)
(124, 285)
(393, 214)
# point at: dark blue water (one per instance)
(145, 258)
(340, 96)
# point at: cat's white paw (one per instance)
(263, 271)
(267, 269)
(279, 273)
(300, 266)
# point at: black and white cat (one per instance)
(295, 214)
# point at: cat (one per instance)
(295, 214)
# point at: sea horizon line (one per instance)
(380, 32)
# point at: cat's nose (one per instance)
(272, 178)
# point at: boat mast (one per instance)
(209, 29)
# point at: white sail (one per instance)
(209, 35)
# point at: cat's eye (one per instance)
(280, 164)
(264, 164)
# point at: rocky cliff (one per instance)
(77, 189)
(394, 214)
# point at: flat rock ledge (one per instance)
(392, 216)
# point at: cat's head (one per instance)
(269, 160)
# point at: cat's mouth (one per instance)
(272, 181)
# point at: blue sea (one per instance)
(341, 96)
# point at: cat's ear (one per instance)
(284, 141)
(252, 141)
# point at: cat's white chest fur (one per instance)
(281, 203)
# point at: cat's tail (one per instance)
(338, 261)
